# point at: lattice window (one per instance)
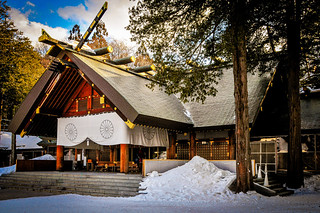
(204, 149)
(183, 151)
(96, 103)
(220, 150)
(82, 105)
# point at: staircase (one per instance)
(274, 188)
(84, 183)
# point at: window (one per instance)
(82, 105)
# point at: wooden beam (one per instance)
(111, 154)
(232, 145)
(73, 97)
(124, 158)
(192, 145)
(171, 151)
(75, 155)
(97, 155)
(60, 158)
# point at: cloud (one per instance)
(30, 4)
(32, 29)
(116, 17)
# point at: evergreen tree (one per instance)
(75, 33)
(191, 42)
(20, 66)
(99, 37)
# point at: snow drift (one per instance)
(7, 170)
(198, 179)
(44, 157)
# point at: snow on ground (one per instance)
(7, 170)
(44, 157)
(311, 184)
(198, 186)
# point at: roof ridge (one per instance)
(107, 63)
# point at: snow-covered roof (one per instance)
(27, 142)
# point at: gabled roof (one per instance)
(219, 111)
(129, 93)
(124, 90)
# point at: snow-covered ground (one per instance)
(198, 186)
(7, 170)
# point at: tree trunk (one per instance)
(13, 156)
(1, 105)
(295, 170)
(239, 57)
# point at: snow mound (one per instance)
(7, 170)
(197, 180)
(311, 184)
(44, 157)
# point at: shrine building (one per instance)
(102, 110)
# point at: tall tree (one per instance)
(238, 20)
(99, 37)
(74, 33)
(120, 49)
(20, 65)
(295, 172)
(143, 58)
(191, 41)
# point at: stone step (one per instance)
(77, 183)
(73, 188)
(286, 193)
(66, 175)
(93, 192)
(70, 184)
(274, 188)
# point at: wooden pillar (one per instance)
(171, 151)
(192, 145)
(232, 145)
(13, 156)
(76, 154)
(59, 165)
(111, 154)
(97, 155)
(124, 158)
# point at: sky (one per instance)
(57, 17)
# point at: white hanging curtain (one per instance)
(145, 136)
(107, 129)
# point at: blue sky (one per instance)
(57, 17)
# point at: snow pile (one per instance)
(7, 170)
(196, 180)
(44, 157)
(311, 184)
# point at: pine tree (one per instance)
(99, 37)
(75, 33)
(20, 66)
(191, 42)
